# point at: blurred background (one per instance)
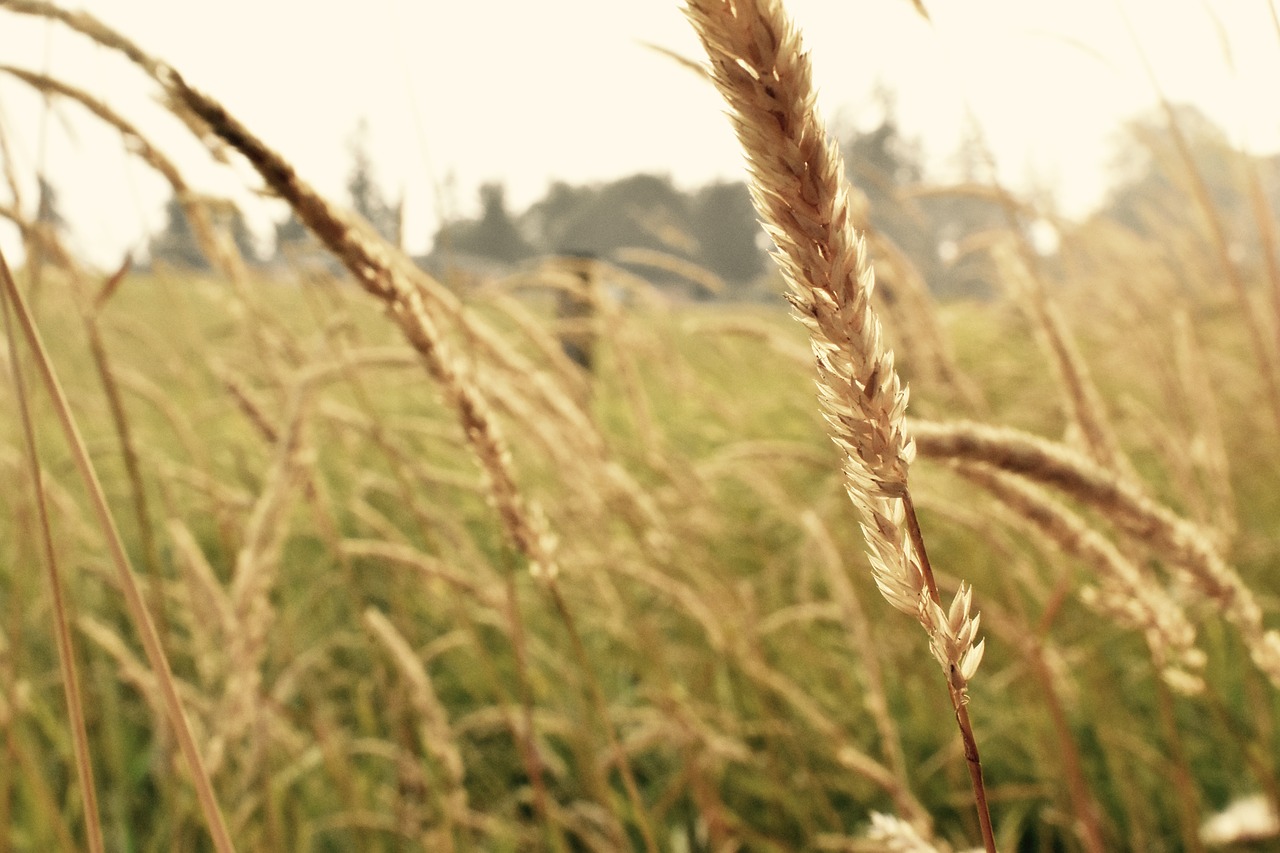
(498, 128)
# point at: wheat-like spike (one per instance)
(1132, 597)
(1184, 544)
(799, 189)
(385, 275)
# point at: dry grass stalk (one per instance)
(384, 274)
(701, 276)
(1124, 593)
(212, 618)
(252, 579)
(1165, 533)
(917, 318)
(90, 316)
(84, 23)
(1217, 232)
(129, 586)
(7, 165)
(1184, 785)
(214, 240)
(431, 568)
(1083, 402)
(1056, 681)
(748, 328)
(1207, 446)
(1265, 218)
(62, 631)
(1183, 425)
(570, 374)
(798, 185)
(436, 738)
(770, 679)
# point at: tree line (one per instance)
(714, 226)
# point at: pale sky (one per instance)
(459, 93)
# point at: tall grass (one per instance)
(426, 583)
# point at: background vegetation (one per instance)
(368, 661)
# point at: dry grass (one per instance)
(803, 198)
(428, 584)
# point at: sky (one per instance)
(456, 94)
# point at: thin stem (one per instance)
(601, 707)
(959, 701)
(66, 649)
(1082, 800)
(526, 734)
(128, 582)
(917, 541)
(128, 448)
(1184, 785)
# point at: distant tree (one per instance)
(1152, 190)
(881, 162)
(960, 213)
(493, 235)
(230, 218)
(48, 211)
(366, 198)
(723, 221)
(550, 220)
(640, 211)
(290, 235)
(176, 243)
(930, 227)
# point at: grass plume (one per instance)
(798, 185)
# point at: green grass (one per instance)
(722, 722)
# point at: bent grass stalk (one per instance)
(1183, 544)
(760, 68)
(1215, 227)
(383, 272)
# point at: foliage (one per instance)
(176, 242)
(713, 226)
(1151, 185)
(367, 198)
(48, 211)
(493, 235)
(743, 460)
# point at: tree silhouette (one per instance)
(366, 198)
(640, 211)
(723, 221)
(48, 212)
(550, 220)
(493, 235)
(176, 243)
(232, 220)
(1152, 189)
(290, 235)
(881, 163)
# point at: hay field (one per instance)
(364, 561)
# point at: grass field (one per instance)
(424, 583)
(710, 566)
